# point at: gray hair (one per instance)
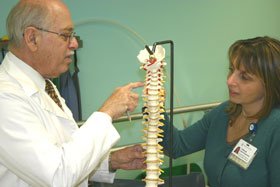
(24, 14)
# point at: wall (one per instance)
(201, 30)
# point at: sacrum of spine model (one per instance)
(153, 108)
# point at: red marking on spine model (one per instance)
(152, 61)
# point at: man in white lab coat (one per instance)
(40, 143)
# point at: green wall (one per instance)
(201, 30)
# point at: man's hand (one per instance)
(121, 100)
(128, 158)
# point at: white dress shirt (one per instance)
(41, 145)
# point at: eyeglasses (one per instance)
(64, 36)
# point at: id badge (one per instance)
(243, 154)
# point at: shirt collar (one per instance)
(25, 74)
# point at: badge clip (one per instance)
(253, 128)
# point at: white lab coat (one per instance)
(41, 145)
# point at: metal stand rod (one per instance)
(171, 102)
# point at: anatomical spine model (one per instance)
(153, 97)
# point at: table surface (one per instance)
(194, 179)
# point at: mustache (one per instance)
(71, 53)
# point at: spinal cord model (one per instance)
(153, 108)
